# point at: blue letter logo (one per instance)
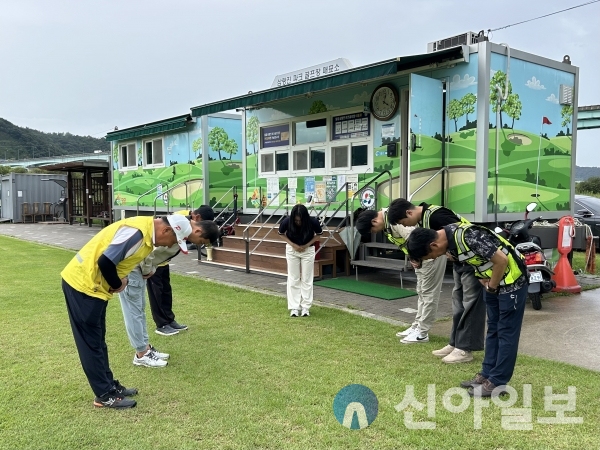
(355, 406)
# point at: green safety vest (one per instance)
(433, 208)
(483, 267)
(387, 231)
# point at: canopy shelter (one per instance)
(88, 193)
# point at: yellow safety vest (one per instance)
(83, 274)
(426, 217)
(483, 267)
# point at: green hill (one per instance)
(19, 143)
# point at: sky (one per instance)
(86, 66)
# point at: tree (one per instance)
(139, 155)
(317, 107)
(116, 155)
(230, 147)
(217, 139)
(454, 111)
(197, 147)
(252, 132)
(499, 80)
(566, 113)
(468, 104)
(513, 108)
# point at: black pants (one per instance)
(88, 322)
(160, 296)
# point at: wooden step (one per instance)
(380, 263)
(384, 245)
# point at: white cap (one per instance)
(182, 228)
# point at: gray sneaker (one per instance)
(166, 330)
(178, 326)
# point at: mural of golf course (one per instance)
(519, 181)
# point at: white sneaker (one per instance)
(305, 312)
(443, 351)
(158, 354)
(293, 313)
(458, 356)
(416, 338)
(408, 331)
(149, 360)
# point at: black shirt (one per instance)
(299, 240)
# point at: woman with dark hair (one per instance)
(300, 231)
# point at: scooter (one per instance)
(538, 267)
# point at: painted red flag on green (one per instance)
(546, 121)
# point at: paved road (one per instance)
(564, 330)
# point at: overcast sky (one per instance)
(86, 66)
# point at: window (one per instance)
(127, 155)
(153, 152)
(317, 158)
(339, 157)
(300, 160)
(360, 154)
(282, 161)
(310, 131)
(267, 162)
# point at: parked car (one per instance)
(587, 209)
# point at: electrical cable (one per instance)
(545, 15)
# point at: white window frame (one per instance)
(262, 153)
(144, 158)
(327, 145)
(133, 166)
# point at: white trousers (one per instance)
(301, 269)
(429, 286)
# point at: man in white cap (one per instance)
(100, 270)
(132, 297)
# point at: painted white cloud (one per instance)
(552, 99)
(360, 98)
(331, 107)
(462, 83)
(534, 83)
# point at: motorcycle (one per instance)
(538, 267)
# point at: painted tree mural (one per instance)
(513, 107)
(454, 112)
(230, 147)
(566, 113)
(497, 102)
(197, 147)
(252, 132)
(317, 107)
(217, 139)
(468, 104)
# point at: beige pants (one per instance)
(301, 269)
(429, 285)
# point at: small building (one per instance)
(31, 197)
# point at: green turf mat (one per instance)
(365, 288)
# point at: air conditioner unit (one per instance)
(467, 38)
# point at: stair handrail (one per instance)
(137, 202)
(183, 183)
(245, 233)
(443, 169)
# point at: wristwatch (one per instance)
(492, 290)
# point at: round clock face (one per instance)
(384, 102)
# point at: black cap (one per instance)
(206, 212)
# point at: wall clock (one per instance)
(384, 101)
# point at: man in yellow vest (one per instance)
(503, 274)
(100, 270)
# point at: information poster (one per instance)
(273, 191)
(352, 181)
(320, 192)
(276, 136)
(309, 189)
(330, 188)
(351, 126)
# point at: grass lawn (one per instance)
(246, 376)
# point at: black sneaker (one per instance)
(114, 400)
(123, 391)
(166, 330)
(486, 389)
(178, 326)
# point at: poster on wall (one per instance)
(331, 188)
(275, 136)
(320, 189)
(273, 191)
(309, 189)
(351, 126)
(352, 181)
(388, 131)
